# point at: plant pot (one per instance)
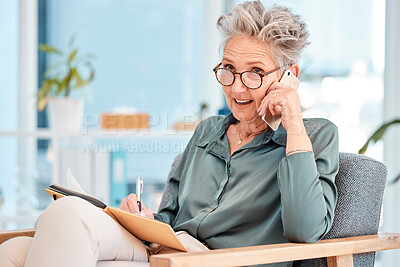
(65, 114)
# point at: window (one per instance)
(341, 72)
(148, 54)
(149, 58)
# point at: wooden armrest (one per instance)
(5, 235)
(338, 251)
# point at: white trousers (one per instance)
(73, 232)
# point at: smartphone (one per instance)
(289, 79)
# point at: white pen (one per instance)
(139, 191)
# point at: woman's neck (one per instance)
(250, 129)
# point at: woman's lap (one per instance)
(13, 252)
(73, 232)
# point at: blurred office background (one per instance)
(156, 57)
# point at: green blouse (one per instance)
(258, 195)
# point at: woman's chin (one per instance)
(244, 112)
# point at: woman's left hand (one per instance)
(284, 100)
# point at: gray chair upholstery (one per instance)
(360, 183)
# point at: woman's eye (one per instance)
(229, 67)
(258, 70)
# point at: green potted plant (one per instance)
(71, 72)
(376, 136)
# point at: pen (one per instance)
(139, 191)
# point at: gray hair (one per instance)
(284, 33)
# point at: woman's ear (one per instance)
(295, 69)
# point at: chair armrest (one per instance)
(338, 251)
(5, 235)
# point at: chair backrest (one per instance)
(360, 183)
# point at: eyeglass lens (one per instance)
(250, 79)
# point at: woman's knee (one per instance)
(13, 252)
(65, 209)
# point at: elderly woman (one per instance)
(238, 183)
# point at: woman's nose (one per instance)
(238, 85)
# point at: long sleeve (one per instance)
(308, 191)
(168, 212)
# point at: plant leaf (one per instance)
(72, 55)
(42, 103)
(377, 135)
(49, 49)
(91, 77)
(65, 75)
(53, 67)
(79, 82)
(44, 92)
(47, 87)
(64, 84)
(92, 72)
(395, 179)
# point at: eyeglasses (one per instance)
(250, 79)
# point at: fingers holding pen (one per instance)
(133, 202)
(123, 205)
(146, 212)
(130, 204)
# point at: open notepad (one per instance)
(144, 228)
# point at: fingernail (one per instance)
(142, 213)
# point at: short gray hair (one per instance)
(284, 33)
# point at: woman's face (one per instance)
(244, 53)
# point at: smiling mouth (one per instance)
(243, 102)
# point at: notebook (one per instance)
(144, 228)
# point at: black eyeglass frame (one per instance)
(262, 75)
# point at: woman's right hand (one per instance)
(129, 204)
